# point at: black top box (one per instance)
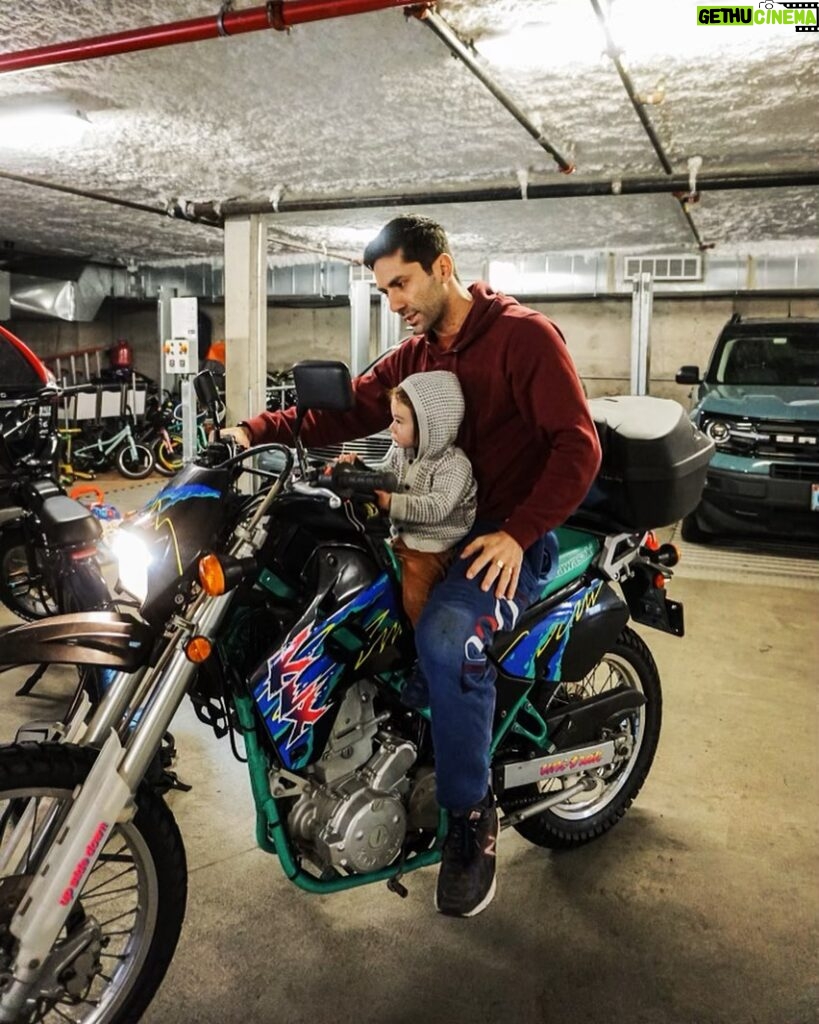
(654, 461)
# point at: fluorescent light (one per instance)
(643, 30)
(35, 124)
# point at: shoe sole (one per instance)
(475, 910)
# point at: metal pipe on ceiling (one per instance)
(212, 212)
(639, 109)
(274, 15)
(453, 42)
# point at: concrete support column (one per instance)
(642, 297)
(389, 326)
(245, 316)
(359, 324)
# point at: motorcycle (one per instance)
(279, 613)
(48, 542)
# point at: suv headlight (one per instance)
(718, 431)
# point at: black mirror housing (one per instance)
(323, 384)
(688, 375)
(205, 387)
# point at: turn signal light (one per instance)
(198, 649)
(211, 575)
(659, 581)
(667, 554)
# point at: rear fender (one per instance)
(107, 639)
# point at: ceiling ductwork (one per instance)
(65, 290)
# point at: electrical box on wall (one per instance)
(181, 350)
(178, 357)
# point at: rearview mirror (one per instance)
(205, 387)
(688, 375)
(323, 384)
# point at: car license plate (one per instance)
(814, 497)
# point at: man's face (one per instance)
(420, 298)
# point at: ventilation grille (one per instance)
(664, 268)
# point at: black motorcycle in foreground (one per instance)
(279, 614)
(49, 557)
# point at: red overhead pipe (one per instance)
(277, 15)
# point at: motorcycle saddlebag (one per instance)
(654, 461)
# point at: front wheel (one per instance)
(120, 936)
(135, 462)
(589, 814)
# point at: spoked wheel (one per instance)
(168, 454)
(26, 587)
(115, 947)
(135, 463)
(589, 814)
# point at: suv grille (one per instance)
(784, 438)
(785, 472)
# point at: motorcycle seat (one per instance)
(66, 521)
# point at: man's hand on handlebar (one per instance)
(239, 434)
(383, 499)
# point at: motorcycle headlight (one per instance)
(133, 557)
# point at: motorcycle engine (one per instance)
(351, 813)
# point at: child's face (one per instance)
(402, 429)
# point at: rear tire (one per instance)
(135, 466)
(29, 594)
(589, 815)
(133, 900)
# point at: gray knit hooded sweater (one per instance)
(434, 506)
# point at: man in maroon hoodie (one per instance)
(534, 450)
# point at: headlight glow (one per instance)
(718, 431)
(134, 558)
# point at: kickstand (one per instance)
(394, 885)
(32, 681)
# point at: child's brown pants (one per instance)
(420, 571)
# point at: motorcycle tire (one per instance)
(29, 595)
(135, 466)
(168, 458)
(133, 900)
(589, 815)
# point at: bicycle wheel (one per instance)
(135, 463)
(168, 454)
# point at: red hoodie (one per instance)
(527, 428)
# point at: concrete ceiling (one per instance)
(375, 104)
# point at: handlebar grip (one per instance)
(347, 478)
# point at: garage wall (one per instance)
(598, 333)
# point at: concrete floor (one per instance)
(700, 907)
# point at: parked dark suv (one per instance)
(759, 403)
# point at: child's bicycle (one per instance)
(133, 459)
(168, 450)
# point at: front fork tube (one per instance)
(105, 798)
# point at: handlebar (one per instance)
(347, 479)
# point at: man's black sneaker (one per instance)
(466, 881)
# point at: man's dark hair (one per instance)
(420, 240)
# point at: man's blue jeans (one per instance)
(453, 633)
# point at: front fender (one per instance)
(108, 639)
